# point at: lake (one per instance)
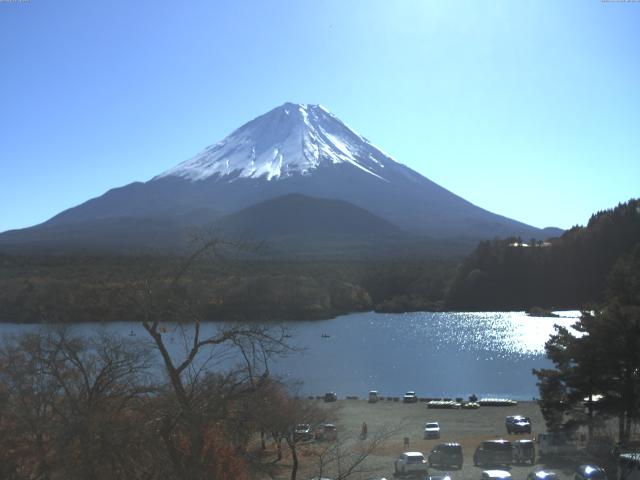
(436, 354)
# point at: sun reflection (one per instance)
(499, 332)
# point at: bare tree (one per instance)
(216, 367)
(348, 455)
(78, 407)
(68, 401)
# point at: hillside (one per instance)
(300, 215)
(568, 272)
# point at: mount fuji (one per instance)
(291, 151)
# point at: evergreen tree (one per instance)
(600, 357)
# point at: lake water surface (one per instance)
(435, 354)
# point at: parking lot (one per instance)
(406, 422)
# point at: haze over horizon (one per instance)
(529, 110)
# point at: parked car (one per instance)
(524, 451)
(410, 397)
(373, 396)
(493, 452)
(496, 475)
(600, 446)
(447, 454)
(542, 475)
(410, 462)
(326, 431)
(330, 397)
(629, 465)
(517, 424)
(552, 444)
(590, 472)
(302, 433)
(431, 430)
(438, 477)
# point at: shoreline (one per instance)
(286, 320)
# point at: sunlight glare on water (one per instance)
(501, 333)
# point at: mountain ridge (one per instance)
(294, 148)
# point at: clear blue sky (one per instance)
(528, 109)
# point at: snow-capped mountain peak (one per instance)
(292, 151)
(293, 139)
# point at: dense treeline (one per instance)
(73, 289)
(568, 272)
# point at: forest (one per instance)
(569, 272)
(74, 289)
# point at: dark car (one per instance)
(326, 431)
(600, 447)
(493, 452)
(330, 397)
(447, 454)
(590, 472)
(524, 451)
(517, 424)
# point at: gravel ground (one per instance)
(468, 427)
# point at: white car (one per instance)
(410, 462)
(410, 397)
(496, 475)
(542, 475)
(431, 430)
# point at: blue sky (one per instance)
(527, 109)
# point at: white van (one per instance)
(373, 396)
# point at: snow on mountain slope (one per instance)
(293, 139)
